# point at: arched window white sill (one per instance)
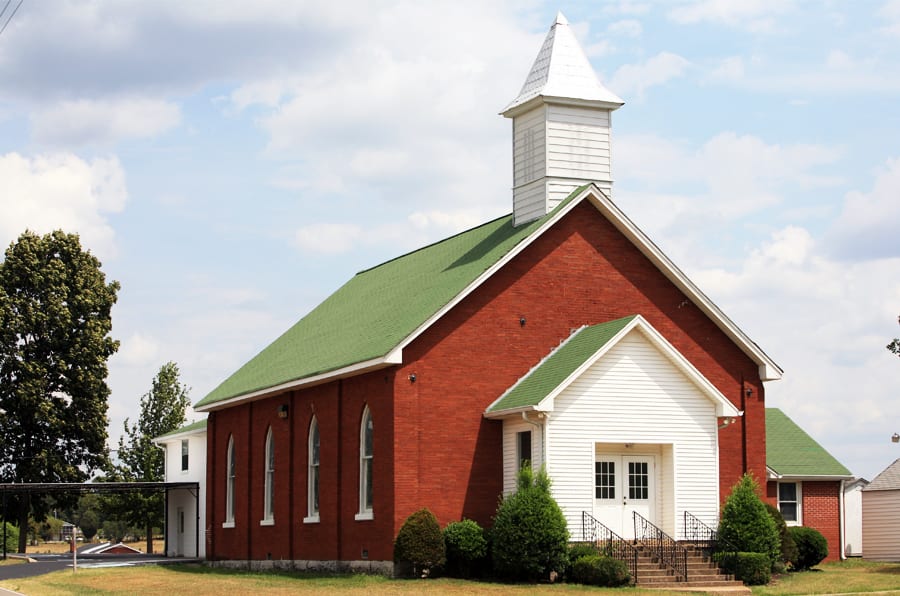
(312, 519)
(229, 524)
(365, 515)
(267, 522)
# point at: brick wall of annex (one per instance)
(819, 509)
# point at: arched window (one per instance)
(229, 483)
(312, 489)
(365, 466)
(269, 497)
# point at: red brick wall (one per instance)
(433, 448)
(821, 510)
(338, 406)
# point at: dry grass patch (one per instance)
(202, 581)
(852, 575)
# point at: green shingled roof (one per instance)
(792, 452)
(378, 308)
(558, 366)
(194, 426)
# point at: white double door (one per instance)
(624, 484)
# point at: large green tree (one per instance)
(894, 346)
(140, 460)
(55, 341)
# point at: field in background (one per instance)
(63, 547)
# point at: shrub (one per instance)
(419, 546)
(788, 548)
(746, 524)
(597, 570)
(466, 548)
(529, 539)
(578, 550)
(753, 569)
(812, 548)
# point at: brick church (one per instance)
(559, 335)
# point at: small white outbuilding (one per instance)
(881, 515)
(185, 512)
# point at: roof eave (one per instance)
(811, 477)
(393, 357)
(514, 109)
(179, 436)
(499, 414)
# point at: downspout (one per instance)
(542, 427)
(743, 425)
(841, 511)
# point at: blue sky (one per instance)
(234, 163)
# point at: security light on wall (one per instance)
(283, 411)
(895, 438)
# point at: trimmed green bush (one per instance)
(812, 548)
(745, 522)
(754, 569)
(597, 570)
(788, 548)
(467, 548)
(419, 547)
(529, 539)
(578, 550)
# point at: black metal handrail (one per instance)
(707, 539)
(662, 546)
(609, 543)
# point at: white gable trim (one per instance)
(768, 370)
(724, 407)
(179, 436)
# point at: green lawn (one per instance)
(850, 576)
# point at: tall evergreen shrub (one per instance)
(745, 522)
(529, 537)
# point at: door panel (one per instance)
(624, 484)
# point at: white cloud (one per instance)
(638, 78)
(869, 222)
(138, 350)
(102, 122)
(327, 238)
(61, 191)
(758, 16)
(625, 28)
(731, 68)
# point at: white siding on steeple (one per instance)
(578, 143)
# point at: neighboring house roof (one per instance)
(367, 322)
(790, 451)
(889, 479)
(563, 72)
(588, 344)
(194, 428)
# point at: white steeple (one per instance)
(561, 127)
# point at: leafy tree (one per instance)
(745, 522)
(140, 460)
(87, 515)
(54, 345)
(529, 537)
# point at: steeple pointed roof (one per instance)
(562, 70)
